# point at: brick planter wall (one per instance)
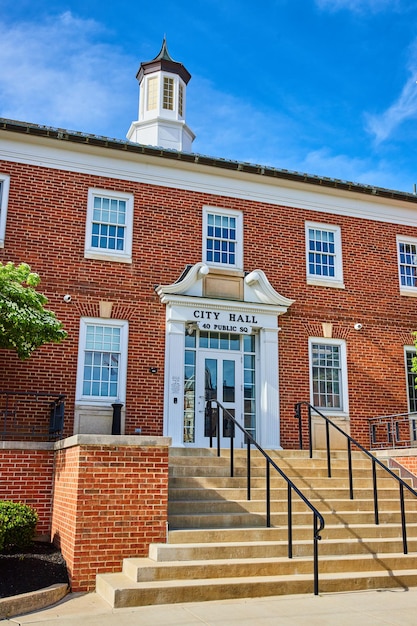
(110, 502)
(26, 471)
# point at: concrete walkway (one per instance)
(362, 608)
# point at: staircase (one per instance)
(218, 546)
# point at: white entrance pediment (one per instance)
(257, 288)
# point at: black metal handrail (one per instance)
(318, 520)
(375, 462)
(31, 414)
(393, 431)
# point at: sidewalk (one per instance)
(387, 607)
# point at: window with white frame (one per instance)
(109, 226)
(223, 238)
(168, 94)
(152, 94)
(328, 375)
(4, 197)
(410, 354)
(324, 255)
(102, 360)
(407, 264)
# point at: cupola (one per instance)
(162, 101)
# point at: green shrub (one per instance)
(17, 525)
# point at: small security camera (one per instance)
(67, 298)
(358, 326)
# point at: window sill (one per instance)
(108, 256)
(408, 291)
(323, 282)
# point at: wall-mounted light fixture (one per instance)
(153, 370)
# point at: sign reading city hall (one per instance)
(224, 321)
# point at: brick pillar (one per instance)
(110, 501)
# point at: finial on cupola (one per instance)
(162, 99)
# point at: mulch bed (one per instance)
(39, 566)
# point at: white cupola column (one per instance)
(162, 100)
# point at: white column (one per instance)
(174, 382)
(269, 435)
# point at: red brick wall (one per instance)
(110, 502)
(26, 476)
(167, 235)
(409, 462)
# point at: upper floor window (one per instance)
(223, 238)
(4, 197)
(102, 360)
(328, 374)
(109, 226)
(324, 255)
(407, 264)
(168, 94)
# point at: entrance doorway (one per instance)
(219, 366)
(221, 380)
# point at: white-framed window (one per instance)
(168, 94)
(407, 265)
(410, 353)
(109, 226)
(4, 198)
(223, 238)
(102, 361)
(328, 375)
(324, 255)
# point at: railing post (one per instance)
(376, 513)
(218, 430)
(316, 556)
(300, 428)
(310, 437)
(268, 495)
(403, 524)
(289, 500)
(329, 466)
(349, 447)
(232, 450)
(248, 469)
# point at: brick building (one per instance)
(181, 277)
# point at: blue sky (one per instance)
(326, 87)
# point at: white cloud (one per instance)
(384, 125)
(58, 73)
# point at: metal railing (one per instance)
(393, 431)
(229, 423)
(31, 415)
(374, 461)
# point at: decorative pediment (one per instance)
(254, 287)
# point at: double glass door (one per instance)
(219, 377)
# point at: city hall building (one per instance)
(182, 278)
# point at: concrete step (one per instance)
(120, 591)
(361, 532)
(191, 507)
(280, 493)
(273, 549)
(238, 516)
(309, 482)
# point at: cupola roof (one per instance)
(163, 62)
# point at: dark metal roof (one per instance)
(190, 157)
(165, 63)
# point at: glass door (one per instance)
(219, 378)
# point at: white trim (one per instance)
(344, 411)
(121, 256)
(4, 199)
(326, 281)
(208, 209)
(124, 329)
(150, 169)
(405, 290)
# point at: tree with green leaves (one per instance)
(24, 322)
